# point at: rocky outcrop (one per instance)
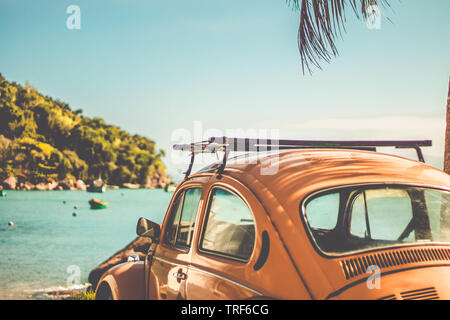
(66, 185)
(130, 185)
(29, 186)
(21, 183)
(10, 183)
(80, 185)
(51, 185)
(69, 184)
(138, 246)
(156, 182)
(13, 183)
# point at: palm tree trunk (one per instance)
(447, 136)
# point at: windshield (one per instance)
(365, 217)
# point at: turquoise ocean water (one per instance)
(47, 239)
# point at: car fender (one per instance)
(124, 281)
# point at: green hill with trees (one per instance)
(43, 139)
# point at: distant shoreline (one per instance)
(13, 183)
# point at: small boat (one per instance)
(97, 204)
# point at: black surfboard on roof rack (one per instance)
(227, 145)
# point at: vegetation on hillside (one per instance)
(42, 138)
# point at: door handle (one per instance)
(180, 275)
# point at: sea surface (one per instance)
(57, 239)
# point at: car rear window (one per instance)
(364, 217)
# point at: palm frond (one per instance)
(321, 22)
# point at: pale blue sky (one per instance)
(153, 67)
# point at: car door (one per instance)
(171, 257)
(236, 252)
(224, 249)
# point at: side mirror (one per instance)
(148, 229)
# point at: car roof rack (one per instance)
(227, 145)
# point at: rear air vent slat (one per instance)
(389, 297)
(354, 267)
(421, 294)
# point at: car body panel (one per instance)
(294, 267)
(125, 280)
(300, 173)
(169, 286)
(408, 286)
(237, 280)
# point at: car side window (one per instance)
(180, 229)
(322, 212)
(229, 228)
(374, 210)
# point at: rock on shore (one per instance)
(80, 185)
(138, 246)
(156, 182)
(130, 185)
(69, 184)
(51, 185)
(9, 183)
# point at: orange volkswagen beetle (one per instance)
(323, 220)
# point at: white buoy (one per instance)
(11, 224)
